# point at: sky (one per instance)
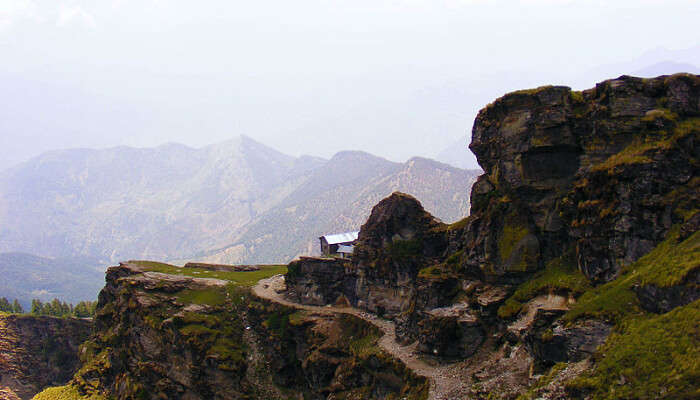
(393, 78)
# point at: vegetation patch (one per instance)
(433, 271)
(666, 265)
(461, 224)
(510, 236)
(543, 381)
(297, 318)
(212, 297)
(530, 92)
(365, 346)
(443, 270)
(67, 392)
(649, 357)
(240, 278)
(639, 152)
(406, 248)
(278, 322)
(560, 274)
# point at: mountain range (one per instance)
(235, 202)
(26, 277)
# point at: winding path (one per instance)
(446, 382)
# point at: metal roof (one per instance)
(341, 237)
(345, 249)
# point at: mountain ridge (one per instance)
(174, 202)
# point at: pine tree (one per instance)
(37, 307)
(16, 307)
(5, 305)
(55, 308)
(81, 310)
(92, 308)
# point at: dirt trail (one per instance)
(446, 381)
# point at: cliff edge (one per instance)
(576, 274)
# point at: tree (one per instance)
(16, 307)
(81, 310)
(53, 308)
(37, 307)
(5, 305)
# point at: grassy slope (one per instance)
(559, 274)
(648, 355)
(64, 393)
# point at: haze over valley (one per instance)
(236, 202)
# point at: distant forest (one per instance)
(53, 308)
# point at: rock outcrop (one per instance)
(329, 356)
(398, 239)
(320, 281)
(161, 335)
(163, 332)
(37, 352)
(600, 168)
(578, 189)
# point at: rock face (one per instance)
(167, 335)
(664, 299)
(449, 332)
(37, 352)
(558, 343)
(599, 168)
(577, 186)
(320, 281)
(398, 239)
(329, 356)
(164, 336)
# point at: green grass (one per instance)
(511, 235)
(461, 224)
(243, 279)
(365, 346)
(211, 297)
(639, 151)
(297, 318)
(64, 393)
(543, 381)
(445, 270)
(649, 357)
(560, 274)
(670, 262)
(530, 92)
(433, 271)
(666, 265)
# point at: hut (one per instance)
(339, 244)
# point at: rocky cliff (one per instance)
(196, 333)
(36, 352)
(583, 230)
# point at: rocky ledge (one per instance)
(196, 333)
(38, 351)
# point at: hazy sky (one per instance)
(395, 78)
